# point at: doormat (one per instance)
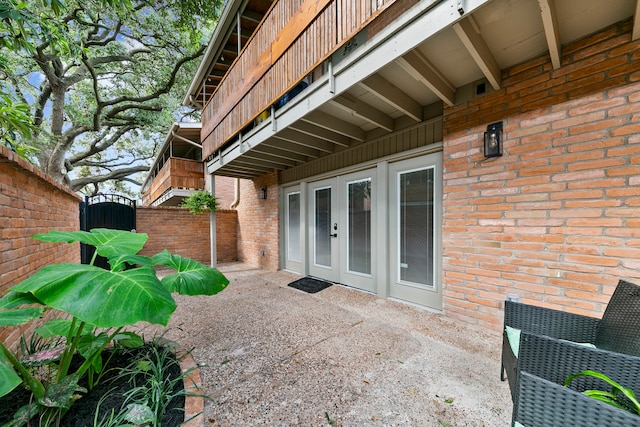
(310, 285)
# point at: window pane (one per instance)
(416, 226)
(323, 227)
(293, 243)
(359, 242)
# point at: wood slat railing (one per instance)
(176, 173)
(294, 38)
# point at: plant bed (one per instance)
(109, 394)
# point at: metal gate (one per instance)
(105, 211)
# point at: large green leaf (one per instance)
(100, 297)
(60, 328)
(108, 243)
(16, 299)
(192, 277)
(8, 377)
(19, 316)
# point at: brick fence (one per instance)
(183, 233)
(31, 203)
(556, 219)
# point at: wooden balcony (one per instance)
(180, 176)
(287, 46)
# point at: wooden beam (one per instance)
(239, 165)
(363, 110)
(291, 147)
(478, 49)
(421, 69)
(635, 35)
(267, 158)
(550, 23)
(263, 165)
(280, 153)
(334, 124)
(305, 140)
(390, 94)
(326, 134)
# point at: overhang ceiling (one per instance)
(444, 66)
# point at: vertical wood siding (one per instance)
(274, 60)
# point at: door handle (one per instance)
(334, 235)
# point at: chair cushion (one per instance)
(513, 335)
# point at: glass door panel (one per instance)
(322, 247)
(359, 226)
(293, 227)
(416, 227)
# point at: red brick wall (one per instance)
(556, 219)
(225, 191)
(31, 203)
(183, 233)
(258, 223)
(226, 235)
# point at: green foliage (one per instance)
(200, 202)
(97, 83)
(619, 396)
(100, 303)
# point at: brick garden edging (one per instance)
(193, 405)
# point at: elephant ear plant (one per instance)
(99, 304)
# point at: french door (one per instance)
(414, 230)
(341, 214)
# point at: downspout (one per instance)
(236, 200)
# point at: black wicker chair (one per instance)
(542, 403)
(618, 331)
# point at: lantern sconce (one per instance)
(493, 140)
(263, 193)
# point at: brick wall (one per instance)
(183, 233)
(556, 219)
(225, 191)
(258, 222)
(31, 203)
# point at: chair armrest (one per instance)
(555, 360)
(541, 403)
(549, 322)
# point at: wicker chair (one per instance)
(618, 331)
(542, 403)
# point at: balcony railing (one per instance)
(175, 174)
(290, 43)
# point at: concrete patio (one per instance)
(274, 355)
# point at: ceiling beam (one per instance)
(328, 135)
(550, 23)
(280, 153)
(305, 140)
(478, 49)
(268, 158)
(363, 110)
(257, 164)
(250, 166)
(635, 35)
(291, 147)
(327, 121)
(421, 69)
(390, 94)
(252, 16)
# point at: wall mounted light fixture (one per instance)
(263, 193)
(493, 140)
